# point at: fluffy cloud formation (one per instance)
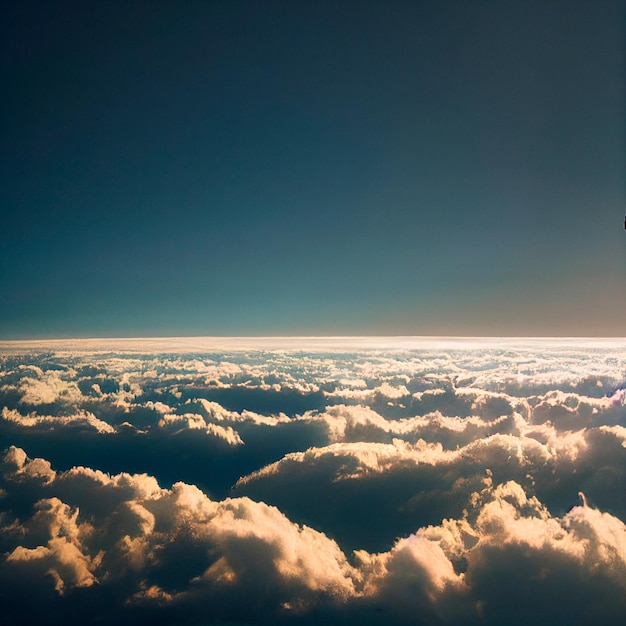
(125, 527)
(431, 483)
(82, 419)
(177, 550)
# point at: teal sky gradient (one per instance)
(312, 168)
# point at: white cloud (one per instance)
(82, 419)
(49, 388)
(193, 421)
(59, 559)
(451, 468)
(17, 466)
(60, 551)
(226, 433)
(252, 549)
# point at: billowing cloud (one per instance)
(82, 419)
(176, 548)
(382, 483)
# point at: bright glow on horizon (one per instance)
(314, 344)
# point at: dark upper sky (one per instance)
(255, 168)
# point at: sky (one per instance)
(312, 168)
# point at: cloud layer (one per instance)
(438, 484)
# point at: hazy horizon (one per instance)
(313, 336)
(308, 342)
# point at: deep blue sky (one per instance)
(262, 168)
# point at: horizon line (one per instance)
(218, 339)
(308, 336)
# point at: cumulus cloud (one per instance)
(17, 466)
(462, 570)
(59, 553)
(82, 419)
(48, 388)
(431, 482)
(234, 546)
